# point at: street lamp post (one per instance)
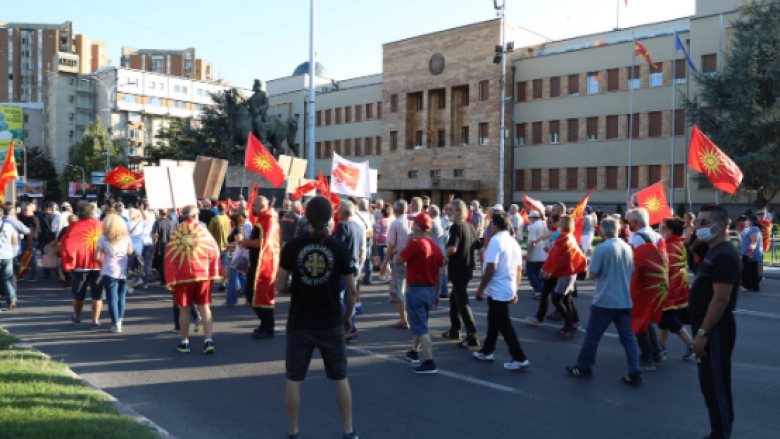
(83, 174)
(503, 49)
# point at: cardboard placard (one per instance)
(173, 186)
(209, 175)
(285, 162)
(182, 193)
(298, 168)
(373, 178)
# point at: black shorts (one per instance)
(87, 279)
(332, 346)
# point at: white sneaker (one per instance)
(115, 329)
(130, 291)
(482, 357)
(517, 365)
(143, 287)
(119, 326)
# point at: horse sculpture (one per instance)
(272, 133)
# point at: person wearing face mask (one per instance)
(751, 250)
(672, 230)
(711, 308)
(649, 280)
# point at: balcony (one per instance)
(83, 105)
(83, 87)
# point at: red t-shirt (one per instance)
(423, 259)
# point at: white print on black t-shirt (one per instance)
(315, 264)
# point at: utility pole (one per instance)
(311, 103)
(501, 12)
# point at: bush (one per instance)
(775, 228)
(619, 209)
(681, 210)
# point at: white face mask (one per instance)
(471, 208)
(706, 234)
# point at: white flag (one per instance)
(350, 178)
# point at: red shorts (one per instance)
(197, 293)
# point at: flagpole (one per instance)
(674, 108)
(631, 119)
(503, 107)
(688, 136)
(311, 110)
(617, 23)
(720, 55)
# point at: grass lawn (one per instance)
(39, 400)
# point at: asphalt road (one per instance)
(238, 392)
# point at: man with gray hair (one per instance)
(461, 245)
(352, 234)
(415, 207)
(289, 222)
(477, 219)
(439, 236)
(397, 235)
(612, 265)
(517, 222)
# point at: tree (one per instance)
(738, 108)
(89, 154)
(40, 167)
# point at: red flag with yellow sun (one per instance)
(258, 159)
(192, 255)
(26, 262)
(78, 244)
(654, 200)
(641, 50)
(708, 159)
(124, 178)
(8, 172)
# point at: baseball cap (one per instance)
(65, 204)
(534, 214)
(423, 220)
(498, 207)
(587, 208)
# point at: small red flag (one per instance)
(705, 157)
(579, 220)
(533, 204)
(431, 133)
(8, 172)
(654, 200)
(524, 216)
(26, 263)
(640, 50)
(124, 178)
(258, 159)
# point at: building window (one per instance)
(573, 126)
(458, 173)
(393, 103)
(653, 174)
(441, 99)
(679, 176)
(709, 64)
(26, 134)
(680, 71)
(553, 179)
(613, 80)
(441, 138)
(369, 146)
(379, 110)
(593, 83)
(328, 147)
(337, 147)
(464, 136)
(378, 146)
(555, 87)
(348, 114)
(634, 76)
(327, 117)
(521, 86)
(593, 128)
(634, 176)
(417, 99)
(151, 85)
(393, 140)
(654, 127)
(319, 118)
(679, 122)
(348, 147)
(520, 134)
(412, 174)
(634, 126)
(358, 113)
(464, 96)
(591, 178)
(572, 175)
(657, 75)
(536, 179)
(338, 116)
(435, 173)
(519, 180)
(537, 86)
(184, 90)
(612, 127)
(369, 111)
(318, 150)
(555, 131)
(358, 147)
(574, 85)
(199, 92)
(536, 128)
(612, 177)
(176, 89)
(418, 140)
(483, 133)
(484, 90)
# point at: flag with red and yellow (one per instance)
(8, 172)
(708, 159)
(259, 160)
(124, 178)
(640, 50)
(653, 199)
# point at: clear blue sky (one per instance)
(267, 39)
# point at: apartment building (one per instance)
(181, 63)
(27, 51)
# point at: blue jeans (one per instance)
(235, 278)
(41, 245)
(600, 319)
(532, 270)
(7, 279)
(147, 254)
(368, 266)
(116, 290)
(34, 263)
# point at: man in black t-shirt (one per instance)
(289, 222)
(711, 305)
(317, 263)
(460, 269)
(206, 214)
(161, 234)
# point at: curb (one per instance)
(121, 408)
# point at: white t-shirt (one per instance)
(150, 219)
(637, 240)
(137, 231)
(503, 251)
(536, 231)
(115, 257)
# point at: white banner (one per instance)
(350, 178)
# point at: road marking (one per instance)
(447, 373)
(766, 315)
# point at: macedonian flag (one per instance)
(705, 157)
(26, 262)
(766, 233)
(78, 244)
(192, 255)
(565, 258)
(8, 172)
(640, 50)
(267, 264)
(654, 200)
(649, 285)
(258, 159)
(124, 178)
(679, 287)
